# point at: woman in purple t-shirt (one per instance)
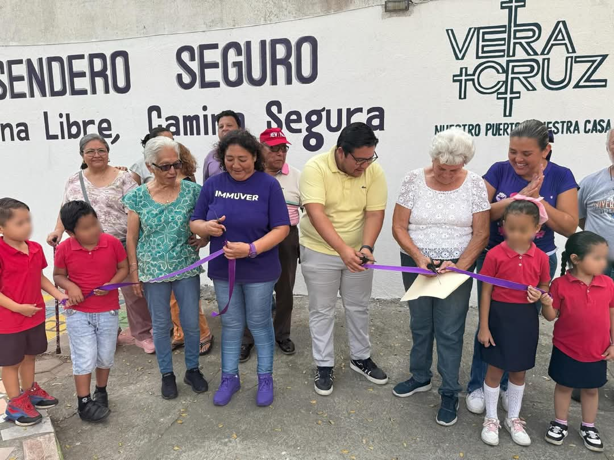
(243, 211)
(528, 172)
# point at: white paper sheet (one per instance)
(435, 286)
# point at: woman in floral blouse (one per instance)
(158, 234)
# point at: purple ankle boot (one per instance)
(265, 390)
(229, 386)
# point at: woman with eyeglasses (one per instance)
(157, 245)
(103, 187)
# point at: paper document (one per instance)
(435, 286)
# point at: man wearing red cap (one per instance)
(275, 148)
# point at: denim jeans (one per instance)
(251, 304)
(479, 367)
(442, 320)
(158, 295)
(92, 338)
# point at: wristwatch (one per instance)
(366, 246)
(252, 251)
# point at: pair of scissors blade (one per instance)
(431, 266)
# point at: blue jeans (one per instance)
(92, 338)
(251, 303)
(442, 320)
(158, 295)
(479, 367)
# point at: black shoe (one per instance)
(323, 381)
(94, 412)
(370, 370)
(576, 395)
(286, 346)
(195, 378)
(591, 438)
(447, 415)
(557, 433)
(101, 398)
(169, 386)
(246, 350)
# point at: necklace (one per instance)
(167, 197)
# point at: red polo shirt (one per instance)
(91, 269)
(531, 268)
(20, 281)
(582, 330)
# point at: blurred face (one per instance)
(239, 163)
(87, 230)
(611, 145)
(525, 156)
(356, 163)
(225, 125)
(166, 157)
(447, 174)
(595, 262)
(520, 230)
(95, 155)
(19, 226)
(275, 157)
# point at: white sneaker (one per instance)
(475, 402)
(516, 428)
(505, 401)
(490, 432)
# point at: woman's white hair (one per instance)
(452, 147)
(154, 147)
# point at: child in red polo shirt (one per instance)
(22, 313)
(86, 261)
(509, 323)
(583, 305)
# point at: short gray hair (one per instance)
(89, 138)
(452, 147)
(154, 147)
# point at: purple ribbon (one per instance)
(483, 278)
(232, 267)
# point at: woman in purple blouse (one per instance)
(528, 171)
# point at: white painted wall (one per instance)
(403, 64)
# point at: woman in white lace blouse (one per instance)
(441, 217)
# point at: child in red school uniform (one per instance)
(509, 322)
(583, 306)
(86, 261)
(22, 313)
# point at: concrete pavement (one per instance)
(359, 420)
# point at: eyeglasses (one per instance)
(176, 165)
(92, 152)
(279, 148)
(362, 161)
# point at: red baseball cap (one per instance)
(273, 136)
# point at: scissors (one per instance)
(431, 266)
(217, 218)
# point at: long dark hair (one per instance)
(243, 139)
(580, 244)
(535, 129)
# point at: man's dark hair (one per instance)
(243, 139)
(7, 206)
(72, 211)
(157, 131)
(228, 113)
(355, 136)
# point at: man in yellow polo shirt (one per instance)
(344, 193)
